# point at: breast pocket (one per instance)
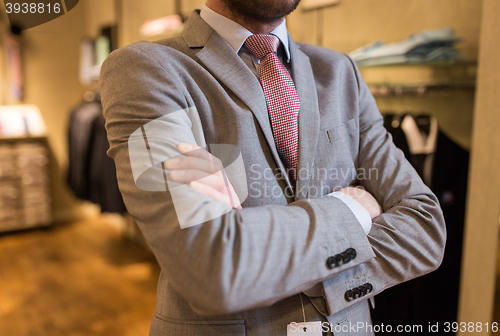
(339, 154)
(343, 131)
(162, 326)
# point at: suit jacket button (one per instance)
(349, 296)
(369, 288)
(346, 257)
(352, 252)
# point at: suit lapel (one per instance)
(309, 125)
(221, 60)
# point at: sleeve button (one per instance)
(331, 263)
(357, 293)
(346, 257)
(349, 296)
(352, 252)
(363, 290)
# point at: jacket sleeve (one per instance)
(408, 238)
(245, 258)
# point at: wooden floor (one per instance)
(75, 280)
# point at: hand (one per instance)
(364, 198)
(204, 173)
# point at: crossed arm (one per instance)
(204, 173)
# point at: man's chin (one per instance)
(261, 10)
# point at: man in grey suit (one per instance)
(306, 255)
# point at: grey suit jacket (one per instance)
(240, 273)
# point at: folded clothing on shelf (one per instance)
(426, 46)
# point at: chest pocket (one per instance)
(336, 165)
(342, 131)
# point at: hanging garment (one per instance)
(103, 188)
(79, 140)
(91, 173)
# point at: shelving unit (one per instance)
(25, 200)
(445, 90)
(419, 78)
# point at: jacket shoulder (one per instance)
(152, 49)
(319, 54)
(169, 55)
(327, 64)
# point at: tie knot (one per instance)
(262, 45)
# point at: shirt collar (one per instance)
(235, 34)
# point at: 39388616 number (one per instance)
(32, 8)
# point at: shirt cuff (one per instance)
(362, 215)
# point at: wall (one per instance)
(483, 208)
(98, 13)
(135, 13)
(187, 6)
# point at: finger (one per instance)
(215, 181)
(223, 185)
(188, 175)
(189, 162)
(193, 150)
(211, 192)
(200, 153)
(232, 194)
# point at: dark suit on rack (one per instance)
(240, 274)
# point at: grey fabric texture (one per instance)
(241, 273)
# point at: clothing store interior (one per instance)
(73, 261)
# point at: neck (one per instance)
(255, 27)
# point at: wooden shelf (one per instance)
(419, 78)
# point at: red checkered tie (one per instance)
(281, 96)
